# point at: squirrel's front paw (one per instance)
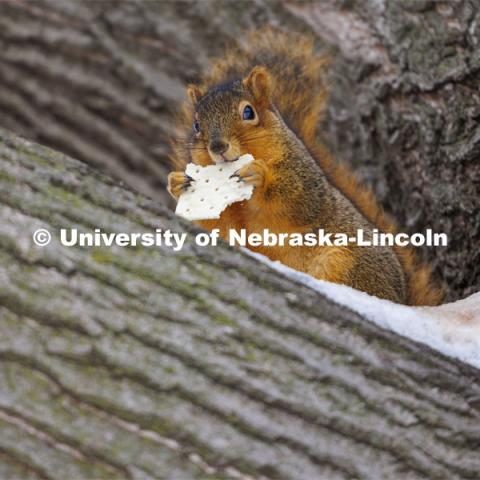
(178, 182)
(254, 173)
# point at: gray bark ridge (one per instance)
(142, 363)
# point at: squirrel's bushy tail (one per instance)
(300, 94)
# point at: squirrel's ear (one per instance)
(194, 93)
(258, 82)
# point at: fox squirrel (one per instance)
(266, 98)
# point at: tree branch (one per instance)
(146, 363)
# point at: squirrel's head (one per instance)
(232, 119)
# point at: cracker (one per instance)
(212, 189)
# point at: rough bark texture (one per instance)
(145, 363)
(100, 80)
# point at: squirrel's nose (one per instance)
(218, 146)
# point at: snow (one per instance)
(453, 329)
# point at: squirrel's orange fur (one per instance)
(284, 66)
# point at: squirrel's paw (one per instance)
(178, 182)
(254, 173)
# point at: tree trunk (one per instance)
(202, 363)
(100, 80)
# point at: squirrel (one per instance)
(266, 98)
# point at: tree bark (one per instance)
(203, 363)
(101, 80)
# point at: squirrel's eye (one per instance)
(248, 113)
(196, 127)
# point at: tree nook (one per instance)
(204, 363)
